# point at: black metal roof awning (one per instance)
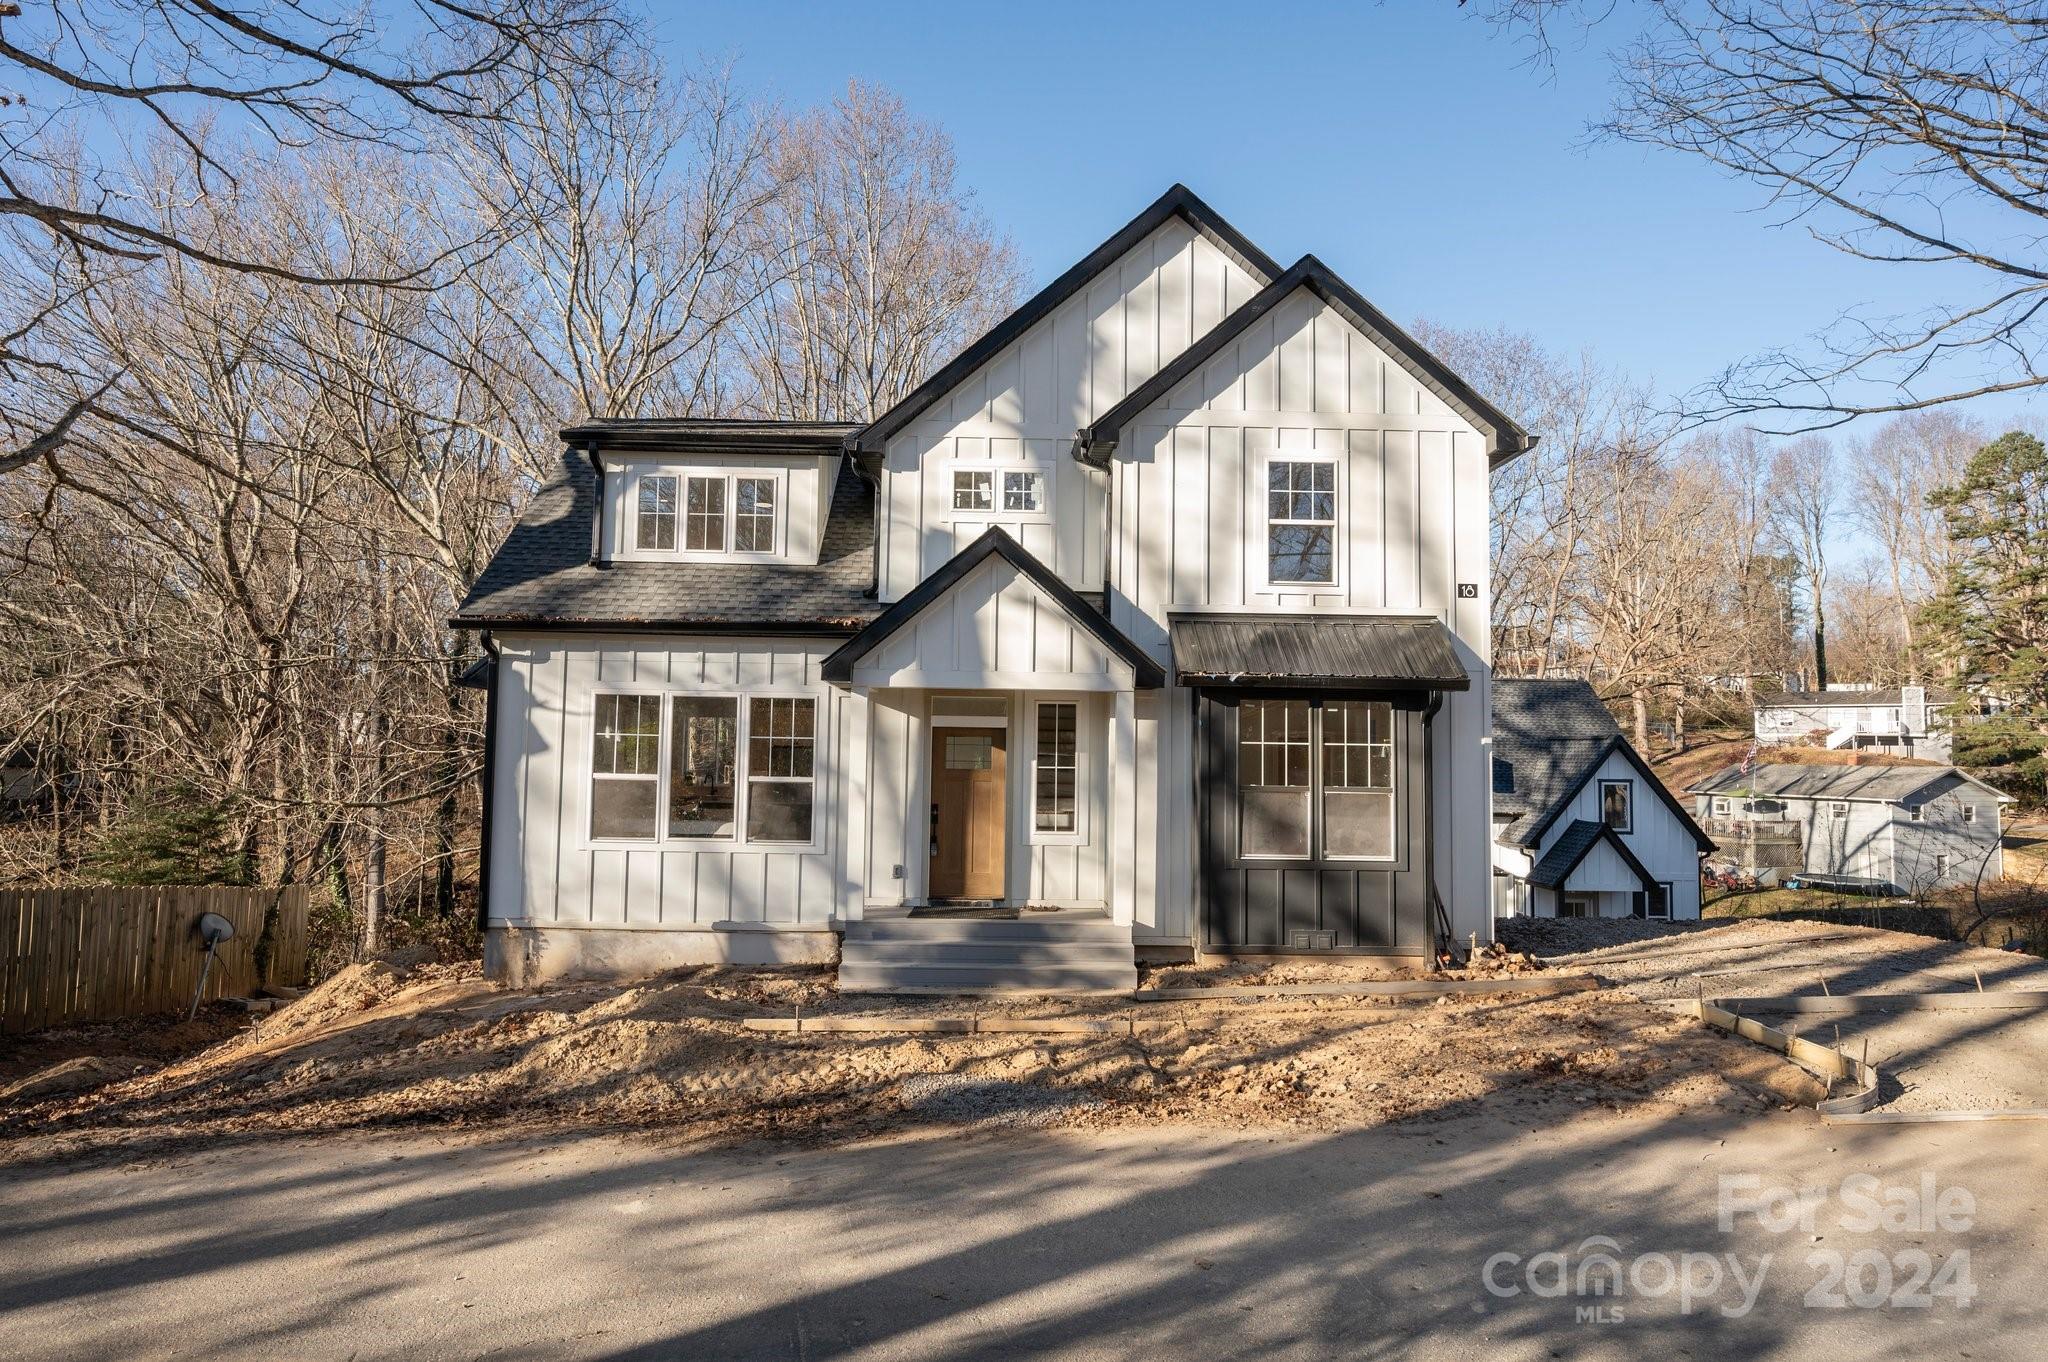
(1328, 652)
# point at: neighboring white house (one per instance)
(1905, 721)
(1162, 608)
(1582, 827)
(1904, 829)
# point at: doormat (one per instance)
(983, 909)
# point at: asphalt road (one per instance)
(1168, 1244)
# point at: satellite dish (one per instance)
(214, 929)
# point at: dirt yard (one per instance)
(386, 1045)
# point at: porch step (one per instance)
(984, 955)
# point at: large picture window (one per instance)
(1301, 520)
(1316, 779)
(703, 768)
(1054, 809)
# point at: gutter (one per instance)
(490, 788)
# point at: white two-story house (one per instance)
(1156, 620)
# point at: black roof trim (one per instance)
(1554, 876)
(838, 668)
(1505, 438)
(529, 624)
(1179, 201)
(1620, 744)
(712, 435)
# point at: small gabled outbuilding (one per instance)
(1582, 826)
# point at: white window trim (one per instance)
(629, 516)
(1043, 472)
(1318, 811)
(1264, 523)
(662, 839)
(1969, 813)
(1082, 768)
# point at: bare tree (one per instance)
(1804, 499)
(879, 266)
(216, 90)
(1907, 132)
(1895, 470)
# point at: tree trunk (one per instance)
(1820, 651)
(1678, 723)
(1639, 701)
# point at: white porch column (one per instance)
(1123, 807)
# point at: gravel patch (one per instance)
(992, 1102)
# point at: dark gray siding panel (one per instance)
(1260, 905)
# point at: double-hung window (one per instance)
(753, 515)
(1053, 808)
(1315, 778)
(719, 769)
(1301, 520)
(656, 524)
(704, 514)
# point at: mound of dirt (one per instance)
(72, 1075)
(390, 1044)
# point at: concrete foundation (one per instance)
(525, 956)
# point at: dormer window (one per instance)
(657, 523)
(1301, 521)
(753, 515)
(704, 523)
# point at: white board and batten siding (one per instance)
(1412, 481)
(547, 872)
(1022, 408)
(1657, 837)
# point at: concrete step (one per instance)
(1077, 953)
(857, 977)
(989, 929)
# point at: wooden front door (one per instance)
(968, 782)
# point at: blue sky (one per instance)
(1406, 144)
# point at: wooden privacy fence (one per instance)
(72, 955)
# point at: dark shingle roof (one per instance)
(1849, 699)
(1794, 780)
(1565, 853)
(542, 575)
(1547, 733)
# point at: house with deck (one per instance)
(1156, 620)
(1582, 826)
(1881, 829)
(1903, 721)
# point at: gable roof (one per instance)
(542, 578)
(996, 541)
(1505, 439)
(1179, 201)
(1555, 735)
(1573, 847)
(1907, 785)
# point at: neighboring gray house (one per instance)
(1904, 829)
(1904, 721)
(1156, 619)
(1582, 827)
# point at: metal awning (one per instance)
(1335, 652)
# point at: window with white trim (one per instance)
(1054, 808)
(720, 770)
(625, 766)
(1301, 520)
(704, 515)
(655, 523)
(1000, 491)
(1358, 779)
(753, 515)
(1916, 814)
(1617, 804)
(781, 779)
(1969, 813)
(1941, 864)
(974, 489)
